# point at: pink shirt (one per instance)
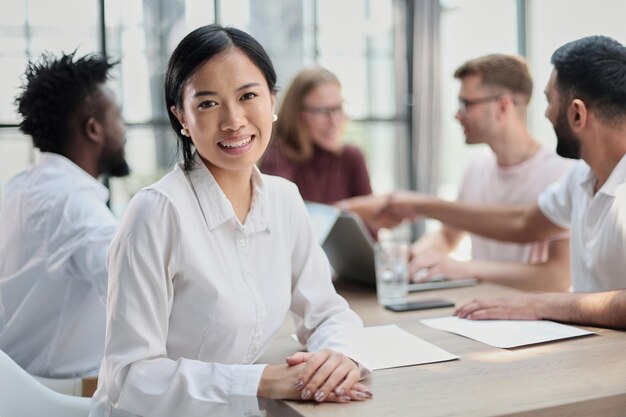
(485, 182)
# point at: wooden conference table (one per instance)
(575, 377)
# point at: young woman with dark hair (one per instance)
(209, 260)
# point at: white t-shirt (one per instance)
(55, 232)
(486, 182)
(195, 297)
(597, 225)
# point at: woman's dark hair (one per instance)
(54, 91)
(593, 69)
(194, 50)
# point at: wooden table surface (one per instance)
(585, 376)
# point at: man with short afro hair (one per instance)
(56, 226)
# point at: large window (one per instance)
(554, 23)
(469, 29)
(28, 28)
(361, 48)
(142, 33)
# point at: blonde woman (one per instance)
(307, 144)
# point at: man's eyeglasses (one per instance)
(324, 111)
(465, 104)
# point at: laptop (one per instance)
(350, 248)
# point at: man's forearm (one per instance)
(605, 309)
(527, 277)
(495, 222)
(553, 274)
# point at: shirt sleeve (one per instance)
(137, 373)
(555, 202)
(319, 312)
(83, 228)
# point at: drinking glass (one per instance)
(392, 266)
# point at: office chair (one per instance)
(23, 396)
(80, 387)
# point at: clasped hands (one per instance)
(325, 376)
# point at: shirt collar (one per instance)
(62, 163)
(258, 217)
(217, 208)
(617, 178)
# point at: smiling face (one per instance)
(227, 107)
(477, 119)
(322, 115)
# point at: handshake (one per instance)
(387, 210)
(428, 256)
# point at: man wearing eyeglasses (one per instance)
(493, 100)
(587, 107)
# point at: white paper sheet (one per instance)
(382, 347)
(506, 333)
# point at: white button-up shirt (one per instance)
(597, 222)
(55, 229)
(195, 297)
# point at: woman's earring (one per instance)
(184, 131)
(274, 117)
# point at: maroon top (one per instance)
(327, 177)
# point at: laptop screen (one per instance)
(323, 218)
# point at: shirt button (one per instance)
(242, 242)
